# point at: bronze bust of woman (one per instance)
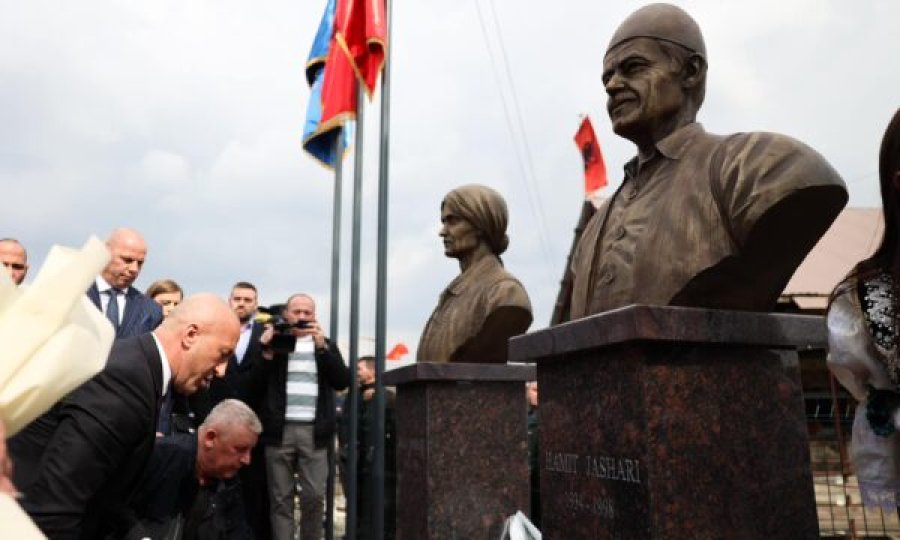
(485, 305)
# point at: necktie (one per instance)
(112, 308)
(165, 412)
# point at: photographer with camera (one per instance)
(303, 370)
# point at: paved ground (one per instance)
(841, 512)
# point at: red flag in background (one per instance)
(356, 53)
(397, 352)
(361, 32)
(594, 167)
(338, 90)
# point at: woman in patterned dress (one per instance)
(863, 342)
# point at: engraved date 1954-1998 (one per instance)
(599, 506)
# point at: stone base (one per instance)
(462, 454)
(655, 431)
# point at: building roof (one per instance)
(853, 236)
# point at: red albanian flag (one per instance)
(338, 89)
(397, 352)
(356, 53)
(361, 32)
(594, 167)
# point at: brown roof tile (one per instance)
(853, 236)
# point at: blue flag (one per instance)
(317, 142)
(319, 50)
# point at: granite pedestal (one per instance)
(674, 423)
(462, 454)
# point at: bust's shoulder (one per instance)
(766, 145)
(772, 162)
(507, 290)
(492, 274)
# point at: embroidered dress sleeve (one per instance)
(853, 359)
(850, 354)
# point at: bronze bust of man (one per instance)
(485, 305)
(700, 220)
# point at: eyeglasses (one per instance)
(14, 266)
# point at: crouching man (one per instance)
(189, 489)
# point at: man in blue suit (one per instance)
(130, 312)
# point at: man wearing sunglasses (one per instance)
(14, 259)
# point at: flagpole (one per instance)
(352, 451)
(381, 291)
(334, 321)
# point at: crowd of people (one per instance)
(206, 421)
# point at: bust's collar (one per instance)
(673, 146)
(676, 143)
(464, 280)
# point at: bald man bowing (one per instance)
(130, 312)
(77, 464)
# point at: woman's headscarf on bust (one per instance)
(485, 209)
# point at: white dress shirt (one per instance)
(240, 350)
(166, 368)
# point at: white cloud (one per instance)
(164, 168)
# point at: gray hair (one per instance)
(233, 412)
(299, 295)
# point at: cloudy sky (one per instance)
(182, 119)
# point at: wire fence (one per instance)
(829, 416)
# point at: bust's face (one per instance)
(644, 89)
(459, 235)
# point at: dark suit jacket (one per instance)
(77, 464)
(245, 381)
(141, 315)
(248, 379)
(169, 492)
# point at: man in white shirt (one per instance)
(130, 311)
(298, 417)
